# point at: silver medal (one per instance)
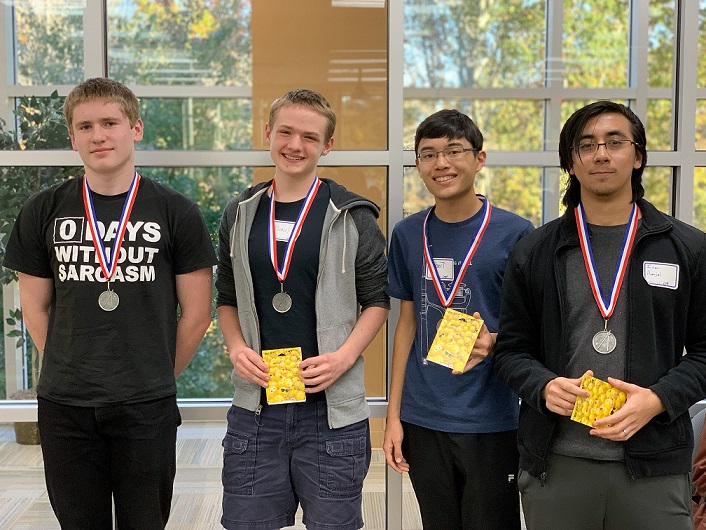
(604, 342)
(282, 302)
(108, 300)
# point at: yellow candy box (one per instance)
(454, 339)
(604, 400)
(285, 385)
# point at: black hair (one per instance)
(451, 124)
(571, 134)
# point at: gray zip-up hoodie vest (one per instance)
(337, 307)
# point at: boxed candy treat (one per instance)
(604, 400)
(454, 339)
(285, 385)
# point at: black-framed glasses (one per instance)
(612, 146)
(450, 153)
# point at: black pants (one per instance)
(121, 453)
(464, 481)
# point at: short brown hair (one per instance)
(310, 99)
(106, 90)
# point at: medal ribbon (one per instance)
(606, 305)
(282, 270)
(108, 266)
(446, 297)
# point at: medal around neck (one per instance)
(282, 302)
(604, 342)
(108, 300)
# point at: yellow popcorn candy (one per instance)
(454, 339)
(603, 401)
(285, 385)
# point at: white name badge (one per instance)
(283, 229)
(661, 274)
(445, 266)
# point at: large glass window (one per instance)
(48, 41)
(596, 43)
(196, 123)
(180, 43)
(660, 43)
(658, 125)
(474, 44)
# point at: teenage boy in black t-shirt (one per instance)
(103, 262)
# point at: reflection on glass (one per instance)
(660, 42)
(658, 124)
(595, 43)
(700, 198)
(196, 123)
(510, 125)
(657, 182)
(49, 41)
(516, 189)
(180, 43)
(474, 44)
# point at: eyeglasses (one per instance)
(612, 146)
(450, 153)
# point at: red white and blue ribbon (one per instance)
(606, 304)
(282, 270)
(109, 264)
(447, 296)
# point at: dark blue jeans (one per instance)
(125, 453)
(288, 456)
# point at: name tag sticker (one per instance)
(445, 266)
(283, 229)
(661, 274)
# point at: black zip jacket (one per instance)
(666, 349)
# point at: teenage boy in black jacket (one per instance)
(612, 289)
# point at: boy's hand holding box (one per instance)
(603, 401)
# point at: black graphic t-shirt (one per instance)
(95, 357)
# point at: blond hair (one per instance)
(310, 99)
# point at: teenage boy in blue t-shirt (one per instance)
(453, 431)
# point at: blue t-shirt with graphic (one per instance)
(432, 397)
